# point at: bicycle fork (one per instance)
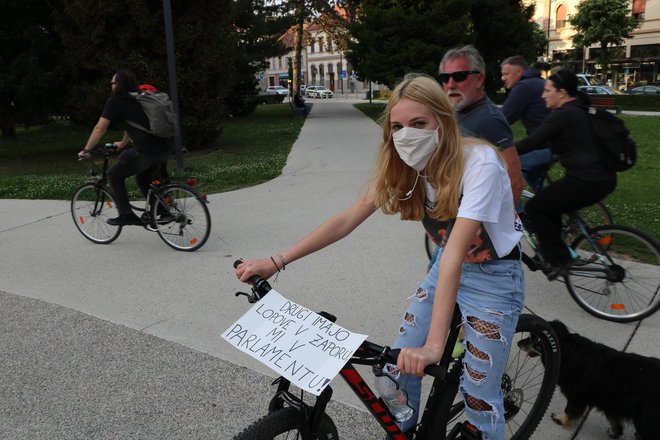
(310, 416)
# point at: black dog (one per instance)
(624, 386)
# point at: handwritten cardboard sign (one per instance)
(293, 341)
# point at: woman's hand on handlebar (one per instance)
(263, 267)
(414, 360)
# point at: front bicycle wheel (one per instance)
(616, 276)
(285, 424)
(527, 385)
(181, 217)
(91, 207)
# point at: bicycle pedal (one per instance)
(464, 431)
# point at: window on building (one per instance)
(315, 74)
(329, 44)
(312, 46)
(279, 62)
(638, 9)
(560, 20)
(645, 51)
(321, 44)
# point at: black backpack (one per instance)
(613, 139)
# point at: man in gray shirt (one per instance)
(462, 74)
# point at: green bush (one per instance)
(382, 94)
(270, 99)
(639, 102)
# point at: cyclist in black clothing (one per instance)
(149, 152)
(568, 132)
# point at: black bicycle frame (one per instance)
(610, 273)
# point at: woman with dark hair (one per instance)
(149, 152)
(587, 180)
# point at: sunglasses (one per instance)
(458, 76)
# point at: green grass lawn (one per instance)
(636, 200)
(42, 163)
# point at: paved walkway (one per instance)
(122, 341)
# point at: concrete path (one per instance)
(122, 340)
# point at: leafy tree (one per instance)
(390, 39)
(217, 51)
(257, 26)
(30, 78)
(302, 11)
(606, 22)
(502, 28)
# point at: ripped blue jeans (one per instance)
(491, 298)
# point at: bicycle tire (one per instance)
(593, 215)
(636, 258)
(429, 245)
(91, 207)
(528, 383)
(188, 224)
(285, 424)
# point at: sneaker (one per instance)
(125, 220)
(554, 272)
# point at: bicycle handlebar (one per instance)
(260, 288)
(106, 150)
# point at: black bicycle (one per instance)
(615, 274)
(528, 385)
(174, 210)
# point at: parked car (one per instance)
(599, 90)
(318, 92)
(587, 79)
(277, 90)
(644, 90)
(303, 88)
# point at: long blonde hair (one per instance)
(444, 170)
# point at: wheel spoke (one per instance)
(190, 223)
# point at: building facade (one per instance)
(636, 62)
(323, 63)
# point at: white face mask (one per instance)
(415, 146)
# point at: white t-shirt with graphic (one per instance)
(487, 198)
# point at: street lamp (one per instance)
(171, 68)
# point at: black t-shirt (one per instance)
(118, 109)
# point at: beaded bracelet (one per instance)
(284, 261)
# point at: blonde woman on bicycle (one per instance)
(427, 171)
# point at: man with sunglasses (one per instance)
(524, 103)
(462, 75)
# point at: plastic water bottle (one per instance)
(532, 241)
(395, 399)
